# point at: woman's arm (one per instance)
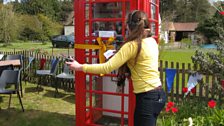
(126, 52)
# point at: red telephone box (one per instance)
(97, 102)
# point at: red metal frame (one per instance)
(88, 114)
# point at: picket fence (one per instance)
(183, 71)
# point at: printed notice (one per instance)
(109, 53)
(106, 34)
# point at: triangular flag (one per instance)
(193, 81)
(170, 75)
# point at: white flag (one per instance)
(193, 81)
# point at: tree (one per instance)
(54, 9)
(167, 7)
(193, 10)
(49, 27)
(66, 8)
(212, 28)
(8, 21)
(186, 10)
(38, 27)
(30, 27)
(201, 10)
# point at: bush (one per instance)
(9, 24)
(212, 63)
(187, 42)
(49, 27)
(38, 28)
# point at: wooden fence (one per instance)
(205, 90)
(36, 65)
(183, 72)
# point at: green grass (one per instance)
(41, 109)
(20, 45)
(177, 55)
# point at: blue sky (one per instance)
(214, 0)
(6, 1)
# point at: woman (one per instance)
(140, 53)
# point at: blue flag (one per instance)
(170, 75)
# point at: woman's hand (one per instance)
(74, 65)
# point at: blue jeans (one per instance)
(148, 106)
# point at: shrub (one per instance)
(9, 24)
(38, 28)
(187, 42)
(49, 27)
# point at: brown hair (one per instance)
(138, 24)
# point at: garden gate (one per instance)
(96, 21)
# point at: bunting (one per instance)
(170, 75)
(193, 81)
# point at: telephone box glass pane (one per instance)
(86, 29)
(153, 28)
(87, 11)
(116, 27)
(154, 1)
(107, 10)
(153, 11)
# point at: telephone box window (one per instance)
(108, 10)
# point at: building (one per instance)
(69, 24)
(177, 31)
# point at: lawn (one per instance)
(20, 45)
(41, 109)
(177, 55)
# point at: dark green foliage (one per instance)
(53, 9)
(167, 6)
(192, 11)
(185, 10)
(211, 62)
(212, 28)
(29, 34)
(39, 28)
(9, 24)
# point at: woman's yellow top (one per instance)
(144, 73)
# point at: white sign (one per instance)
(106, 34)
(109, 53)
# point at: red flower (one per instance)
(167, 109)
(211, 103)
(170, 105)
(184, 90)
(174, 110)
(193, 90)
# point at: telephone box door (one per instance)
(97, 101)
